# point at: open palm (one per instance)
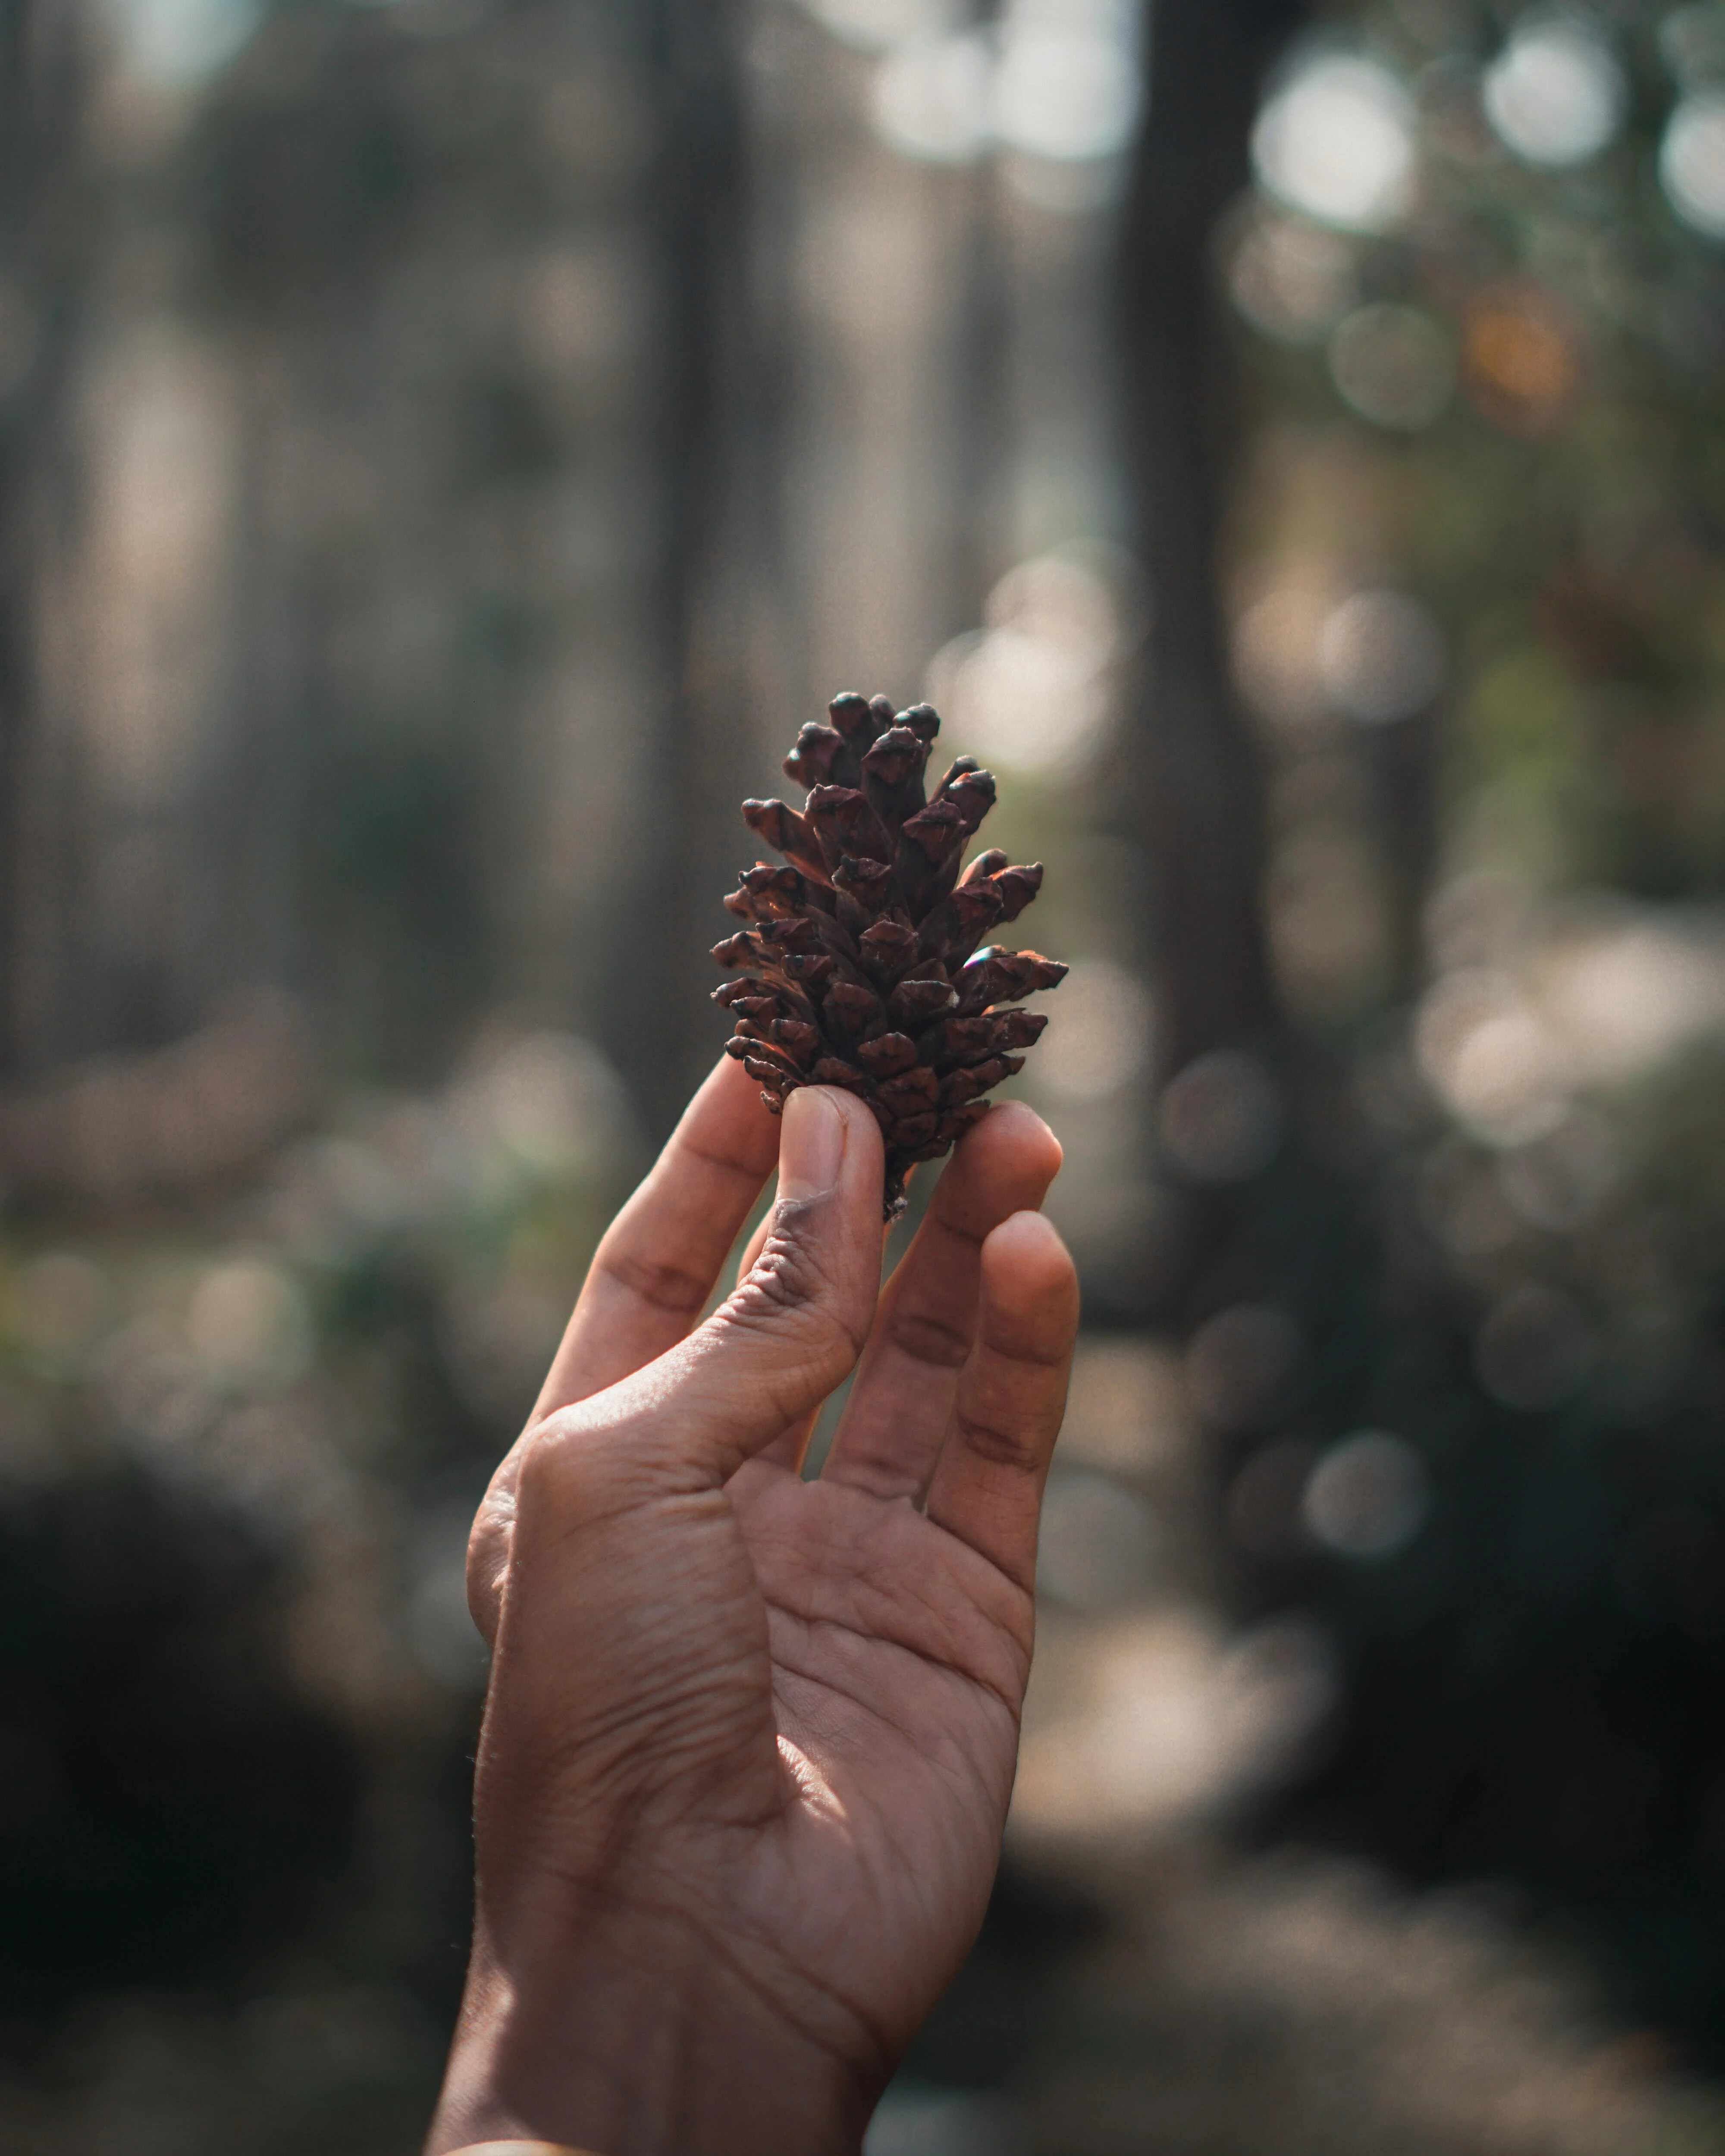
(750, 1740)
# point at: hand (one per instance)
(749, 1740)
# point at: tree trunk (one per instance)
(42, 76)
(1193, 782)
(710, 448)
(1189, 786)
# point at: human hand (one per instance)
(749, 1740)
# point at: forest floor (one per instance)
(1295, 2005)
(1217, 2004)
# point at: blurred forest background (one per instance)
(446, 448)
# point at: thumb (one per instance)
(796, 1324)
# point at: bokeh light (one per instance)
(174, 44)
(1275, 651)
(1241, 1366)
(1220, 1119)
(1521, 358)
(1534, 1347)
(1382, 657)
(1064, 94)
(549, 1097)
(1489, 1054)
(1098, 1540)
(1692, 163)
(1556, 94)
(931, 99)
(1170, 1720)
(1056, 86)
(1291, 279)
(1393, 364)
(1031, 690)
(1368, 1496)
(248, 1324)
(1099, 1033)
(879, 25)
(1336, 141)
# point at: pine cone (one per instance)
(861, 959)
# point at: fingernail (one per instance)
(811, 1147)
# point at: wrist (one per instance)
(668, 2047)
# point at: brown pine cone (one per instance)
(861, 963)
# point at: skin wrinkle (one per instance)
(872, 1550)
(749, 1171)
(667, 1287)
(1010, 1347)
(894, 1429)
(599, 1733)
(854, 1690)
(893, 1615)
(999, 1448)
(789, 1278)
(634, 1828)
(975, 1680)
(688, 1773)
(889, 1611)
(954, 1767)
(716, 1942)
(864, 2083)
(641, 1641)
(696, 1682)
(824, 1367)
(929, 1340)
(494, 1544)
(811, 1585)
(552, 1525)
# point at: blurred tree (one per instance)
(713, 449)
(1483, 534)
(1261, 1214)
(14, 103)
(43, 248)
(1193, 788)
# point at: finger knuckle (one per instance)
(789, 1287)
(998, 1441)
(543, 1468)
(926, 1338)
(1038, 1341)
(663, 1285)
(566, 1460)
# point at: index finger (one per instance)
(659, 1260)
